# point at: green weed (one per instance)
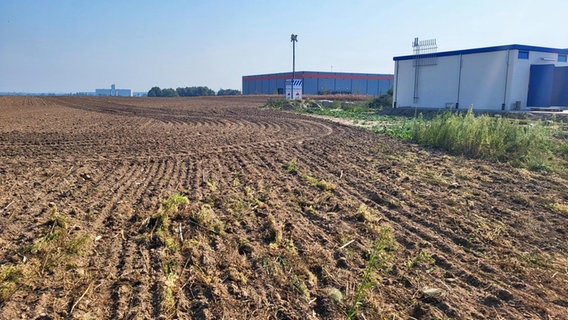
(291, 166)
(559, 208)
(211, 184)
(299, 285)
(378, 263)
(11, 278)
(77, 244)
(236, 182)
(423, 258)
(335, 295)
(160, 222)
(44, 243)
(364, 214)
(171, 204)
(535, 259)
(168, 297)
(238, 206)
(58, 243)
(57, 219)
(204, 216)
(320, 184)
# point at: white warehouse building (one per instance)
(114, 92)
(502, 78)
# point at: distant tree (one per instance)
(155, 92)
(169, 93)
(205, 91)
(228, 92)
(182, 92)
(195, 91)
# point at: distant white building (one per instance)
(510, 77)
(113, 92)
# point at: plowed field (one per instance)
(287, 217)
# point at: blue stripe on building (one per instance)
(487, 49)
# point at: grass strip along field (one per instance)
(535, 145)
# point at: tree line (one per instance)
(190, 92)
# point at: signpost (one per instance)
(293, 39)
(294, 92)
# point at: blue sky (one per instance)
(70, 46)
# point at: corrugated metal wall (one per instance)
(320, 83)
(548, 86)
(560, 89)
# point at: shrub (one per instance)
(275, 103)
(380, 102)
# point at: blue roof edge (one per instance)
(487, 49)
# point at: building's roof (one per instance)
(487, 49)
(320, 75)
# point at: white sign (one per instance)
(297, 89)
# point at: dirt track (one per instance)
(259, 240)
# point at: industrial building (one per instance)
(113, 92)
(314, 83)
(501, 78)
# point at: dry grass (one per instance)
(559, 208)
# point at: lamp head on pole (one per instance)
(294, 38)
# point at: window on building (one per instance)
(523, 55)
(562, 58)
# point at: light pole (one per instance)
(293, 39)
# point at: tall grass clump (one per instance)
(491, 138)
(160, 222)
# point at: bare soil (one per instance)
(284, 216)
